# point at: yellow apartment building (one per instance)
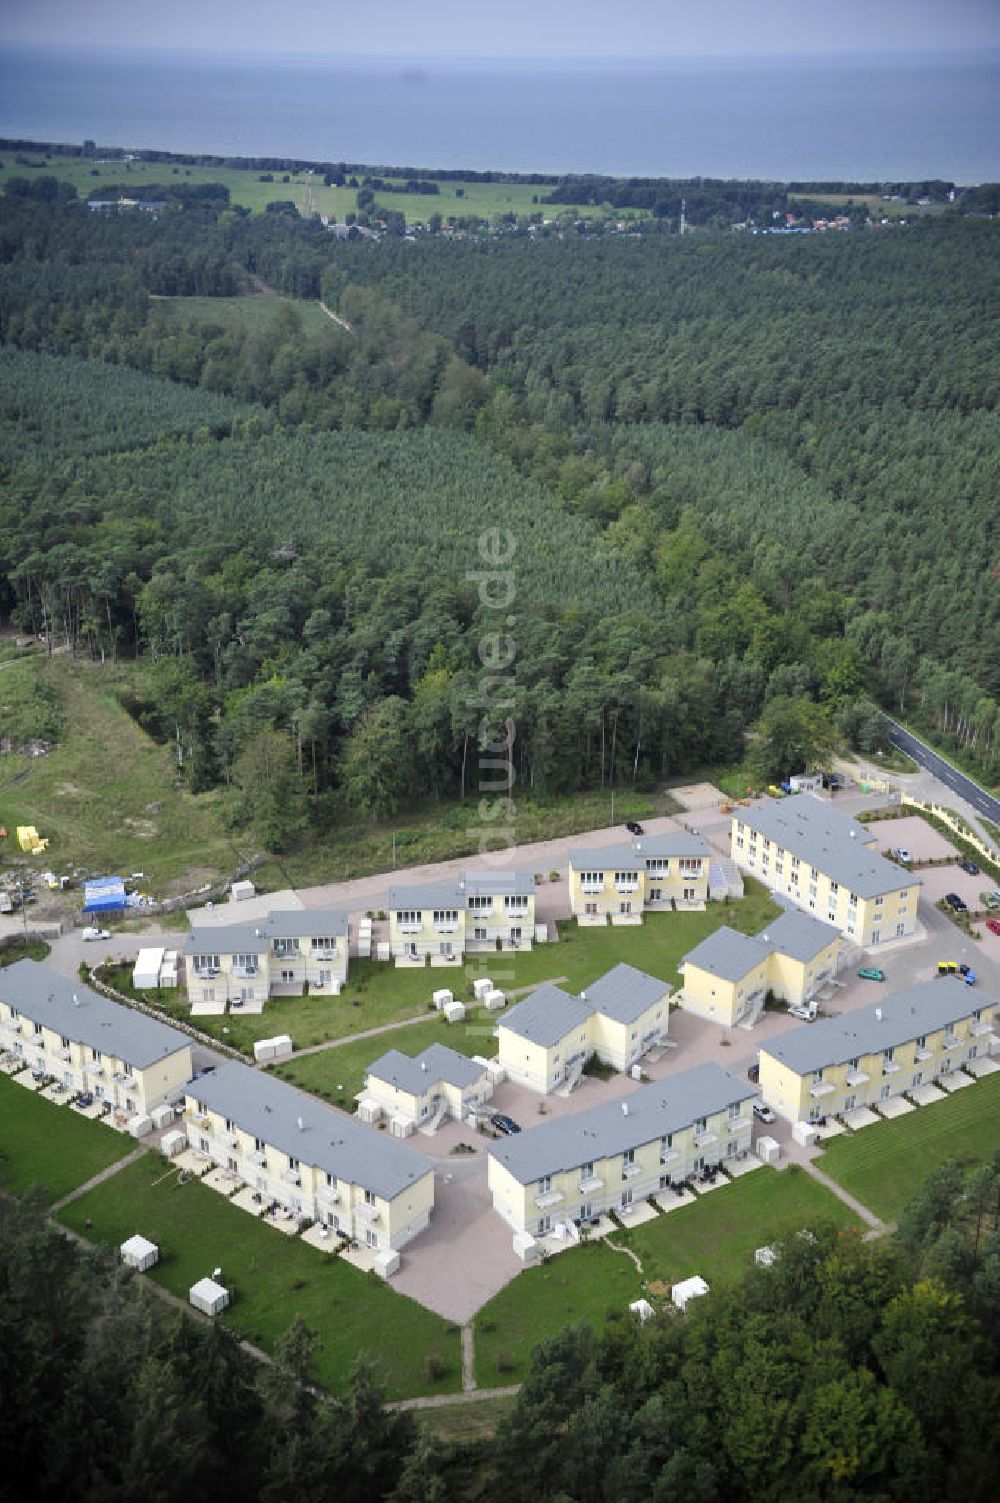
(613, 1156)
(424, 1089)
(277, 957)
(545, 1041)
(824, 862)
(316, 1162)
(63, 1029)
(480, 911)
(910, 1039)
(728, 975)
(652, 873)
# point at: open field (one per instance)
(885, 1165)
(441, 831)
(250, 314)
(460, 1424)
(272, 1278)
(717, 1235)
(49, 1145)
(378, 993)
(106, 796)
(478, 200)
(582, 1285)
(338, 1074)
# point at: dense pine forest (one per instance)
(750, 481)
(847, 1370)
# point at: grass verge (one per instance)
(52, 1146)
(885, 1165)
(271, 1278)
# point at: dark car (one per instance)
(633, 828)
(970, 867)
(505, 1125)
(957, 904)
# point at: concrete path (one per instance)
(445, 1400)
(868, 1217)
(617, 1247)
(366, 1033)
(98, 1179)
(468, 1358)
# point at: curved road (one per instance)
(977, 798)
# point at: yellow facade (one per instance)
(306, 1190)
(542, 1067)
(618, 885)
(264, 966)
(719, 1000)
(128, 1089)
(874, 1075)
(442, 922)
(600, 896)
(417, 935)
(615, 1182)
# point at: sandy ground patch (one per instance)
(698, 795)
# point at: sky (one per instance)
(510, 28)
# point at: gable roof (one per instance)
(329, 1140)
(78, 1013)
(833, 843)
(798, 935)
(416, 1074)
(633, 855)
(547, 1015)
(254, 938)
(455, 892)
(666, 1106)
(624, 993)
(728, 954)
(907, 1014)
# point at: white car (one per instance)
(95, 934)
(902, 854)
(762, 1111)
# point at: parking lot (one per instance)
(913, 834)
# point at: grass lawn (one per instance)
(338, 1074)
(252, 314)
(580, 1285)
(106, 797)
(883, 1166)
(45, 1144)
(460, 1424)
(717, 1235)
(378, 993)
(271, 1278)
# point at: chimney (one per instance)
(423, 1064)
(878, 1014)
(300, 1124)
(624, 1108)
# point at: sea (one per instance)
(880, 118)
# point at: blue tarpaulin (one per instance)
(103, 894)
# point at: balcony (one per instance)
(821, 1088)
(246, 972)
(669, 1155)
(259, 1157)
(626, 888)
(629, 1171)
(330, 1195)
(199, 1119)
(890, 1066)
(590, 1183)
(206, 972)
(409, 928)
(857, 1077)
(230, 1140)
(548, 1198)
(368, 1213)
(979, 1027)
(592, 889)
(702, 1139)
(922, 1054)
(951, 1041)
(291, 1176)
(737, 1124)
(449, 928)
(63, 1053)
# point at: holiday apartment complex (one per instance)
(652, 873)
(422, 1090)
(614, 1155)
(727, 977)
(283, 955)
(825, 863)
(910, 1039)
(479, 911)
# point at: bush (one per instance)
(553, 876)
(505, 1362)
(433, 1367)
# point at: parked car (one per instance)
(634, 828)
(505, 1125)
(92, 933)
(754, 1073)
(762, 1111)
(990, 899)
(947, 967)
(970, 867)
(804, 1010)
(993, 925)
(901, 853)
(871, 973)
(955, 903)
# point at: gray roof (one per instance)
(903, 1015)
(41, 994)
(547, 1015)
(417, 1073)
(254, 938)
(632, 856)
(454, 892)
(728, 954)
(623, 993)
(330, 1140)
(799, 935)
(830, 841)
(666, 1106)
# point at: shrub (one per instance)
(433, 1367)
(505, 1362)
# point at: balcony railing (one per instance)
(200, 1119)
(979, 1027)
(367, 1212)
(669, 1155)
(736, 1124)
(857, 1077)
(629, 1171)
(922, 1054)
(246, 972)
(821, 1088)
(292, 1177)
(702, 1139)
(259, 1157)
(951, 1041)
(591, 1182)
(890, 1066)
(329, 1194)
(548, 1198)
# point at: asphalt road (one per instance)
(977, 798)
